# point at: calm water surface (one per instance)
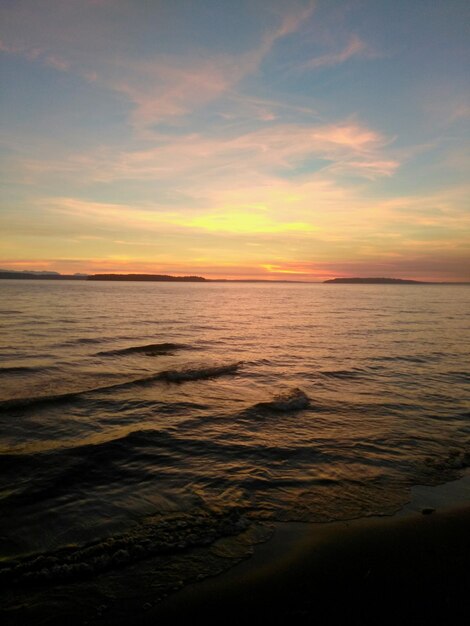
(135, 411)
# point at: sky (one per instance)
(236, 139)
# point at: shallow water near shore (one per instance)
(147, 419)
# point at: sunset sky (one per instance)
(256, 139)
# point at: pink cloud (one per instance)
(170, 88)
(57, 63)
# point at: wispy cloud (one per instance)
(36, 54)
(201, 160)
(159, 86)
(356, 47)
(169, 87)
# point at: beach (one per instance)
(413, 571)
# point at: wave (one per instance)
(84, 340)
(343, 374)
(151, 349)
(17, 369)
(292, 400)
(408, 358)
(198, 373)
(93, 459)
(458, 376)
(170, 376)
(456, 459)
(25, 403)
(172, 533)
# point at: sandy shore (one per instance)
(414, 571)
(412, 568)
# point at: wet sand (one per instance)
(412, 568)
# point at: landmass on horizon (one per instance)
(49, 275)
(377, 281)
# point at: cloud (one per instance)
(57, 63)
(241, 221)
(235, 219)
(168, 87)
(159, 86)
(319, 207)
(316, 227)
(356, 47)
(195, 160)
(36, 54)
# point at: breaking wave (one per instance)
(171, 376)
(292, 400)
(155, 536)
(198, 373)
(152, 349)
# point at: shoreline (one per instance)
(408, 568)
(411, 567)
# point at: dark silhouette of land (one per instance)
(185, 279)
(376, 281)
(32, 275)
(147, 277)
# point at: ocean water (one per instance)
(140, 419)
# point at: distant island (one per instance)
(36, 275)
(376, 281)
(148, 277)
(184, 279)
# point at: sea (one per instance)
(154, 421)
